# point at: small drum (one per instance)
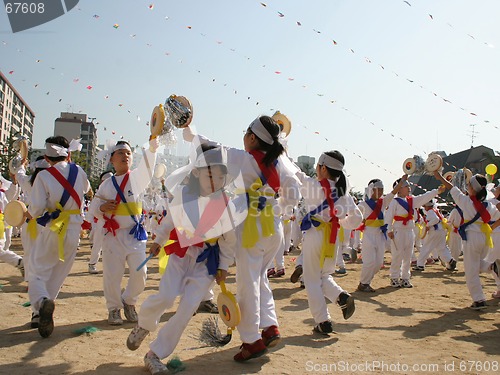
(178, 111)
(414, 165)
(157, 121)
(14, 213)
(284, 123)
(229, 311)
(433, 163)
(409, 166)
(160, 170)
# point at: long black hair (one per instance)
(37, 170)
(481, 194)
(276, 149)
(341, 182)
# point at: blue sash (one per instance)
(138, 230)
(49, 216)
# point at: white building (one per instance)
(16, 117)
(75, 126)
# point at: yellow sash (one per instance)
(486, 229)
(32, 228)
(2, 227)
(377, 223)
(266, 215)
(129, 208)
(327, 248)
(60, 226)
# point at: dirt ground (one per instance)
(427, 329)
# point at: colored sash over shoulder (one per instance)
(407, 204)
(481, 212)
(60, 217)
(257, 202)
(330, 228)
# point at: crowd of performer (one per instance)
(247, 207)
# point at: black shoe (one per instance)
(479, 305)
(35, 320)
(452, 265)
(418, 268)
(496, 267)
(346, 303)
(296, 274)
(324, 328)
(46, 324)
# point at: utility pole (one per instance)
(473, 134)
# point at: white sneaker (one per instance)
(93, 269)
(114, 317)
(154, 365)
(395, 283)
(130, 313)
(136, 337)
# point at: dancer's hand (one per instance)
(220, 276)
(155, 249)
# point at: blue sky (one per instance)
(236, 60)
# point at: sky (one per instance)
(379, 81)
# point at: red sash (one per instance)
(65, 184)
(110, 224)
(406, 219)
(373, 215)
(211, 216)
(325, 184)
(270, 173)
(481, 210)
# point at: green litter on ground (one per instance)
(175, 365)
(87, 330)
(27, 304)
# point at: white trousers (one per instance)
(318, 280)
(455, 245)
(434, 241)
(8, 256)
(183, 277)
(372, 251)
(118, 251)
(47, 273)
(493, 255)
(97, 239)
(475, 251)
(401, 251)
(254, 294)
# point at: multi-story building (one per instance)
(75, 126)
(16, 117)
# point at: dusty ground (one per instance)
(427, 329)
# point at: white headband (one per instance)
(261, 132)
(42, 163)
(330, 162)
(376, 185)
(475, 184)
(54, 151)
(120, 146)
(215, 156)
(105, 176)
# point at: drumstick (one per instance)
(144, 262)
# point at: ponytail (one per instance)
(338, 176)
(276, 149)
